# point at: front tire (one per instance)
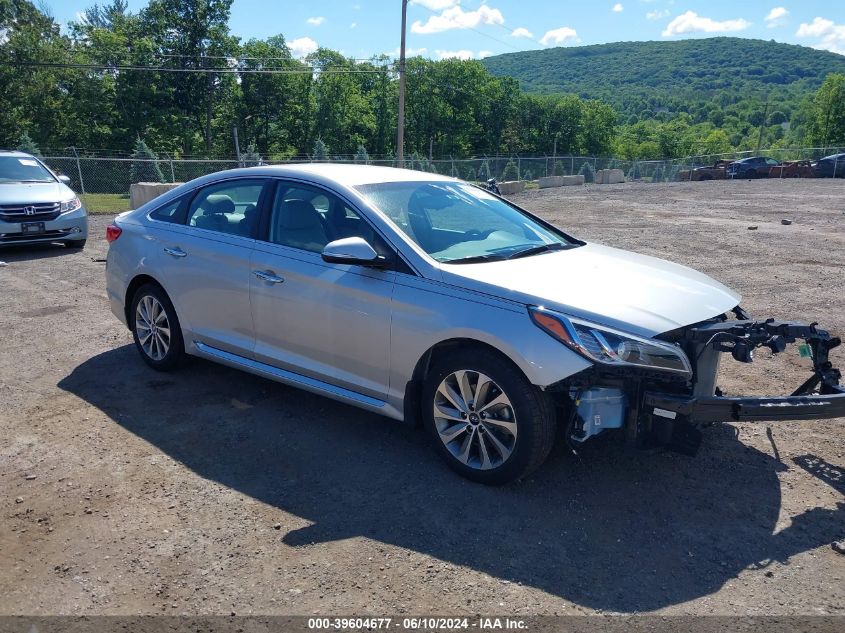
(487, 421)
(155, 328)
(76, 244)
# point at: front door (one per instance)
(326, 321)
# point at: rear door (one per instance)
(325, 321)
(206, 263)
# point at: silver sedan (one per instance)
(425, 298)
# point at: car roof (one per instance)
(15, 153)
(345, 174)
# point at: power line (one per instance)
(224, 71)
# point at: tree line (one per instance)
(173, 76)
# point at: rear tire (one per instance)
(155, 328)
(487, 421)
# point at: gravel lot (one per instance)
(211, 491)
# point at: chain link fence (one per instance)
(114, 175)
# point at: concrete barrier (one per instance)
(609, 176)
(142, 192)
(560, 181)
(511, 186)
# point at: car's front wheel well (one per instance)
(413, 390)
(136, 283)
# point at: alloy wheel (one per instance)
(152, 327)
(475, 419)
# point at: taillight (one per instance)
(113, 232)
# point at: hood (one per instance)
(34, 192)
(635, 293)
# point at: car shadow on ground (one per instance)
(608, 529)
(30, 252)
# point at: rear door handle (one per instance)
(268, 276)
(176, 252)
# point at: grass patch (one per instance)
(105, 202)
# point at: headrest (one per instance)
(299, 215)
(218, 203)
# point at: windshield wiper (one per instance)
(475, 259)
(536, 250)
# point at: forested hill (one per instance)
(661, 75)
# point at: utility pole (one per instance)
(237, 145)
(400, 140)
(763, 125)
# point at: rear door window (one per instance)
(229, 207)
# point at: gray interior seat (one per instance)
(298, 224)
(214, 210)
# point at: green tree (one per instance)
(321, 151)
(588, 172)
(511, 171)
(144, 166)
(361, 155)
(251, 157)
(26, 144)
(827, 113)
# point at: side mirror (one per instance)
(64, 179)
(352, 250)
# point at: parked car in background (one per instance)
(425, 298)
(716, 171)
(753, 167)
(793, 169)
(832, 166)
(36, 205)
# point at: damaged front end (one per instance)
(658, 407)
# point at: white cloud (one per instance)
(462, 54)
(457, 18)
(832, 35)
(316, 21)
(559, 36)
(436, 5)
(776, 17)
(618, 8)
(302, 46)
(657, 14)
(691, 22)
(522, 32)
(353, 25)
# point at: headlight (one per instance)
(611, 347)
(70, 205)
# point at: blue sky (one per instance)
(478, 28)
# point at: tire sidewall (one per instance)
(518, 390)
(176, 351)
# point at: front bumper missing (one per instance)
(672, 415)
(673, 419)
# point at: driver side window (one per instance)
(308, 218)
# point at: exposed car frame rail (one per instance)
(740, 338)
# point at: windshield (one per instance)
(457, 223)
(23, 169)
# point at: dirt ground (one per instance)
(211, 491)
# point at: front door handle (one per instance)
(176, 252)
(268, 276)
